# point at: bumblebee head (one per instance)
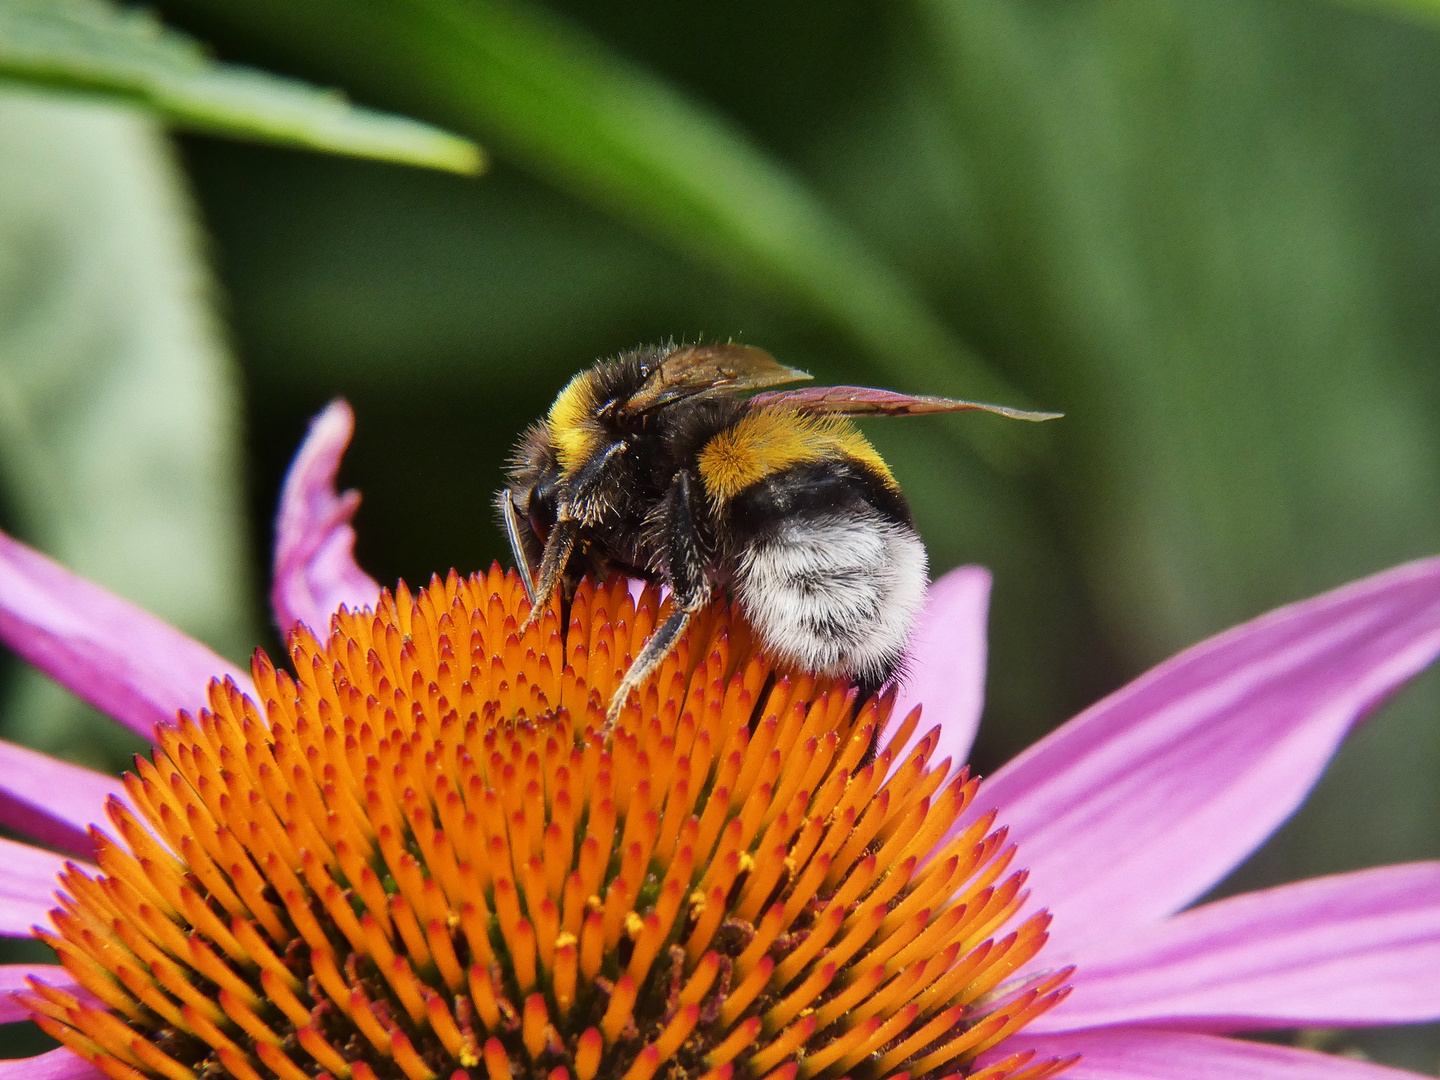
(595, 407)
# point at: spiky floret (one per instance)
(417, 858)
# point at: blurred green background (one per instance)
(1208, 231)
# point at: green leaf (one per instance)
(1428, 10)
(119, 405)
(90, 45)
(559, 102)
(1208, 226)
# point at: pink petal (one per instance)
(13, 977)
(1342, 951)
(1140, 1054)
(52, 801)
(122, 660)
(61, 1064)
(27, 886)
(1137, 806)
(945, 663)
(315, 570)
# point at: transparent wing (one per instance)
(699, 369)
(867, 401)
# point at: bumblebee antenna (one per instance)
(511, 517)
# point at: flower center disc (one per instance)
(418, 859)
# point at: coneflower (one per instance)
(413, 855)
(417, 858)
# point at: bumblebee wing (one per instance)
(866, 401)
(701, 369)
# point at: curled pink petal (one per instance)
(945, 663)
(1136, 807)
(315, 569)
(1343, 951)
(52, 801)
(15, 977)
(122, 660)
(1141, 1054)
(27, 887)
(61, 1064)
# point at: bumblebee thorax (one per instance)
(575, 430)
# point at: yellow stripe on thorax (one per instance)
(765, 442)
(572, 422)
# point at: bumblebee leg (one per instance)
(644, 665)
(689, 587)
(518, 547)
(558, 546)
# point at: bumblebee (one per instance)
(658, 465)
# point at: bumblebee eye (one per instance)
(541, 507)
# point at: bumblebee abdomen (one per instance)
(828, 569)
(766, 442)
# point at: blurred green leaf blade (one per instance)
(561, 103)
(90, 45)
(1428, 10)
(120, 412)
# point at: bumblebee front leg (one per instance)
(558, 546)
(688, 578)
